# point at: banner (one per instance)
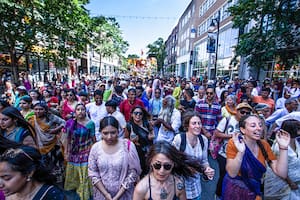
(211, 43)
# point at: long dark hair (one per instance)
(6, 144)
(25, 159)
(146, 116)
(14, 113)
(184, 165)
(291, 126)
(109, 121)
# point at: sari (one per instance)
(80, 140)
(48, 144)
(247, 185)
(66, 109)
(143, 143)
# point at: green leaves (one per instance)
(273, 31)
(157, 50)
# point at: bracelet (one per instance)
(283, 148)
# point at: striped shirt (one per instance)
(210, 114)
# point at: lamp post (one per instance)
(215, 22)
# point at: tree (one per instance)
(51, 29)
(274, 35)
(157, 50)
(106, 37)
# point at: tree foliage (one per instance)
(106, 37)
(55, 30)
(269, 31)
(157, 50)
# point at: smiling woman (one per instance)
(246, 158)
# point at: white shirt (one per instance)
(193, 184)
(280, 103)
(232, 127)
(293, 115)
(97, 113)
(121, 119)
(167, 135)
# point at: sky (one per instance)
(142, 21)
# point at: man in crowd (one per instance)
(97, 111)
(127, 105)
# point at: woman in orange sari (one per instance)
(47, 126)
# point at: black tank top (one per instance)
(174, 198)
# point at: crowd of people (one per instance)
(150, 138)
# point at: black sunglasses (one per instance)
(138, 113)
(157, 166)
(245, 112)
(209, 93)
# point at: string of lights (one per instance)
(138, 17)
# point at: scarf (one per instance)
(232, 112)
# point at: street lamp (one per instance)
(215, 22)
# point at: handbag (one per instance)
(216, 143)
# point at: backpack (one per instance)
(183, 141)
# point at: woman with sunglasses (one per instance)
(25, 176)
(113, 164)
(167, 166)
(247, 155)
(15, 128)
(193, 147)
(68, 107)
(80, 134)
(140, 132)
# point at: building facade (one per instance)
(193, 26)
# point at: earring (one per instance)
(28, 178)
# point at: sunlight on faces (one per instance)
(229, 101)
(137, 114)
(253, 128)
(163, 163)
(195, 125)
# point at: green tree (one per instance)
(50, 29)
(274, 35)
(157, 50)
(106, 38)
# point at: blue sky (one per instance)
(140, 32)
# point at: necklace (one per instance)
(163, 193)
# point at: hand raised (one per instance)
(283, 138)
(238, 141)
